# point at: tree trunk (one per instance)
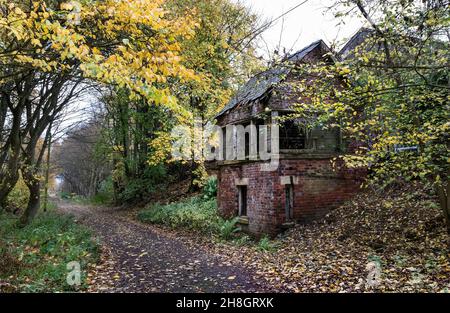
(443, 191)
(7, 187)
(33, 203)
(9, 173)
(192, 186)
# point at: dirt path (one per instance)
(146, 259)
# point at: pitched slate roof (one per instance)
(259, 84)
(349, 47)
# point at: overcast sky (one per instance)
(307, 23)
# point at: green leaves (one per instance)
(41, 251)
(389, 98)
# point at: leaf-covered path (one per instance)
(146, 259)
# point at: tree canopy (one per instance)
(390, 94)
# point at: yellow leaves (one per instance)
(111, 59)
(66, 6)
(18, 11)
(364, 59)
(118, 50)
(162, 146)
(344, 70)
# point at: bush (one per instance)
(194, 214)
(265, 244)
(105, 194)
(138, 188)
(65, 195)
(41, 250)
(210, 188)
(228, 228)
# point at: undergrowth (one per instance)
(34, 258)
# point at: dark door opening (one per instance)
(242, 200)
(289, 202)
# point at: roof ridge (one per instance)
(353, 38)
(255, 87)
(313, 44)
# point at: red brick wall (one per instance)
(262, 214)
(319, 190)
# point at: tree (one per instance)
(127, 127)
(80, 165)
(223, 53)
(390, 95)
(50, 47)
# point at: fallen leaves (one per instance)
(399, 233)
(141, 258)
(400, 230)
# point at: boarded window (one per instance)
(289, 204)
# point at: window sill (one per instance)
(243, 220)
(287, 225)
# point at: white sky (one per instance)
(306, 24)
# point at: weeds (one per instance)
(35, 257)
(194, 214)
(228, 228)
(265, 244)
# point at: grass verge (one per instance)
(35, 258)
(195, 214)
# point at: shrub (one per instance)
(65, 195)
(195, 214)
(228, 228)
(200, 176)
(137, 188)
(265, 244)
(210, 188)
(105, 194)
(41, 250)
(18, 197)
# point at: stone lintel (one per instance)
(241, 181)
(288, 180)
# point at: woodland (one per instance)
(91, 91)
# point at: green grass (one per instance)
(196, 214)
(35, 258)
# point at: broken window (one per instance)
(292, 135)
(242, 200)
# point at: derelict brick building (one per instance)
(304, 185)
